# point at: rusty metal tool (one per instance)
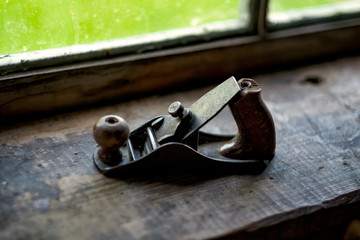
(175, 140)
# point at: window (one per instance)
(285, 14)
(39, 25)
(249, 37)
(81, 30)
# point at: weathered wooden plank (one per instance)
(51, 190)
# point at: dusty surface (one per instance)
(50, 189)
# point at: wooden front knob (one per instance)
(111, 132)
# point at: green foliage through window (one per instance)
(27, 25)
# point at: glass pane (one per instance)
(283, 12)
(28, 25)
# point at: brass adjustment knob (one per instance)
(176, 109)
(110, 132)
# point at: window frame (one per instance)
(98, 80)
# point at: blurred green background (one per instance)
(28, 25)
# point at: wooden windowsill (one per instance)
(83, 84)
(50, 188)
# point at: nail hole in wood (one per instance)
(312, 79)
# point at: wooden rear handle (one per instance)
(256, 130)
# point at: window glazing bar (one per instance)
(258, 19)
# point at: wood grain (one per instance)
(50, 189)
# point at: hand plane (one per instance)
(175, 139)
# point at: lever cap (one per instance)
(111, 132)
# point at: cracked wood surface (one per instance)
(50, 188)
